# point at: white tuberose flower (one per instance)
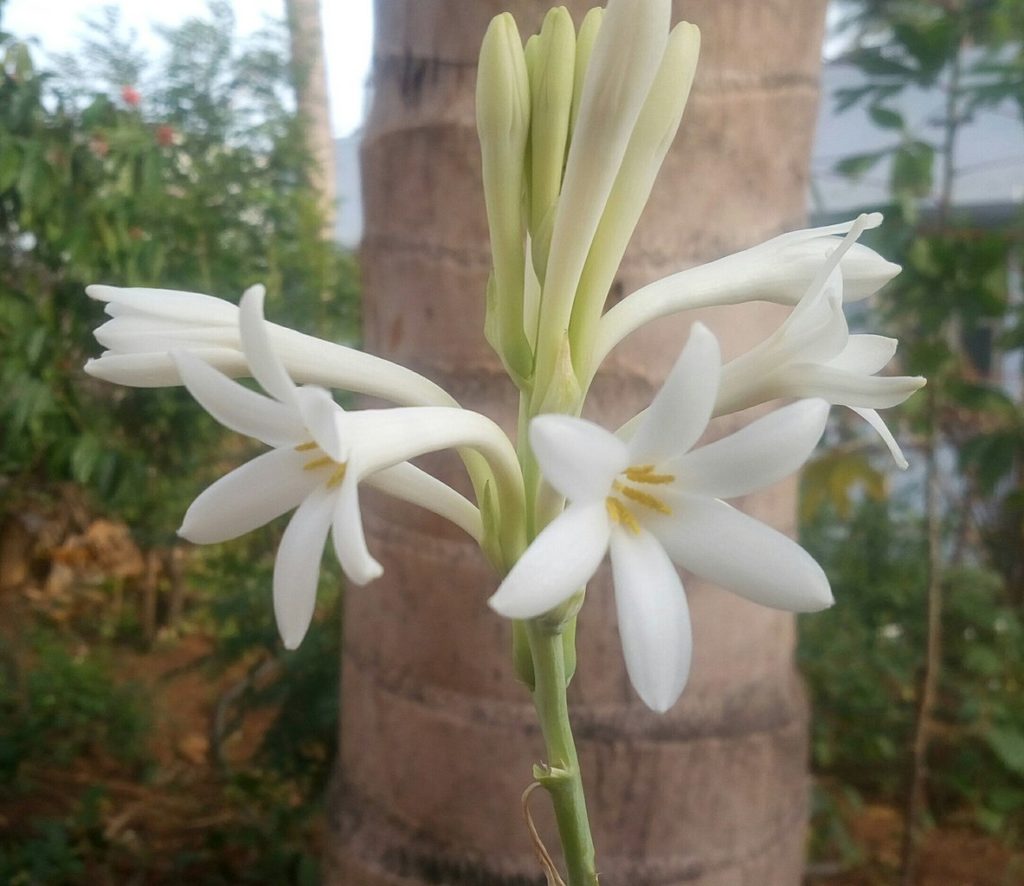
(653, 502)
(146, 325)
(812, 354)
(320, 455)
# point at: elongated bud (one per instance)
(626, 57)
(503, 123)
(656, 128)
(585, 41)
(552, 71)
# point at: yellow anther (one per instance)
(622, 515)
(338, 475)
(643, 498)
(321, 462)
(305, 447)
(645, 474)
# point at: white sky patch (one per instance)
(58, 26)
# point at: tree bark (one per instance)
(307, 51)
(437, 737)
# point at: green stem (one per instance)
(561, 775)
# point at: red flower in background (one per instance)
(131, 96)
(164, 135)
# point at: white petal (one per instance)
(182, 307)
(682, 408)
(865, 353)
(742, 555)
(266, 366)
(158, 370)
(248, 497)
(133, 334)
(297, 567)
(845, 388)
(756, 456)
(348, 535)
(322, 418)
(409, 483)
(654, 620)
(559, 561)
(237, 407)
(578, 458)
(872, 417)
(817, 331)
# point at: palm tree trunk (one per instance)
(437, 737)
(307, 56)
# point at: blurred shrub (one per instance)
(862, 659)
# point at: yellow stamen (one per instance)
(643, 498)
(321, 462)
(305, 447)
(645, 474)
(621, 515)
(338, 475)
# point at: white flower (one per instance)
(652, 502)
(147, 324)
(320, 454)
(778, 270)
(812, 354)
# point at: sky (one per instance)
(58, 27)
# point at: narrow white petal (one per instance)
(865, 353)
(816, 331)
(578, 458)
(237, 407)
(845, 388)
(297, 567)
(409, 483)
(134, 334)
(248, 497)
(682, 408)
(654, 619)
(158, 370)
(348, 535)
(182, 307)
(559, 561)
(872, 417)
(756, 456)
(266, 366)
(742, 555)
(323, 419)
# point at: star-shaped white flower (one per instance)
(320, 454)
(652, 502)
(812, 354)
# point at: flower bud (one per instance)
(503, 123)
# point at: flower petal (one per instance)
(758, 455)
(559, 561)
(158, 370)
(578, 458)
(742, 555)
(843, 387)
(680, 411)
(135, 334)
(237, 407)
(872, 417)
(297, 567)
(266, 366)
(248, 497)
(654, 619)
(322, 418)
(865, 353)
(349, 538)
(409, 483)
(181, 307)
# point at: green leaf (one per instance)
(886, 118)
(857, 165)
(1008, 746)
(912, 169)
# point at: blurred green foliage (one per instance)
(186, 171)
(953, 309)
